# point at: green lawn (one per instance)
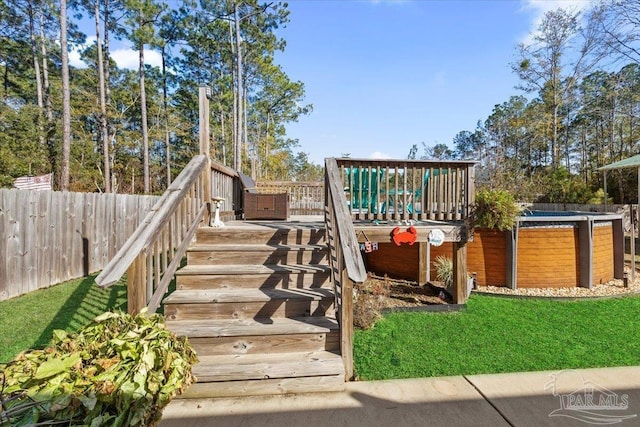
(29, 320)
(501, 335)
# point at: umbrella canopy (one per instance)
(630, 162)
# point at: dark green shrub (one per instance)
(118, 371)
(495, 209)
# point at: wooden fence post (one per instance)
(136, 285)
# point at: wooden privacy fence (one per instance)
(305, 198)
(48, 237)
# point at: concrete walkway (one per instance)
(564, 398)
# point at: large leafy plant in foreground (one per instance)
(118, 371)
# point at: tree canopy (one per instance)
(131, 131)
(578, 109)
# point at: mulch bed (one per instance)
(403, 293)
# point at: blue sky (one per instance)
(383, 75)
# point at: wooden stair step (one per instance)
(246, 295)
(267, 366)
(265, 233)
(227, 254)
(252, 269)
(247, 303)
(243, 327)
(253, 336)
(276, 386)
(254, 247)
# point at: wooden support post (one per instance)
(136, 285)
(205, 147)
(618, 248)
(585, 242)
(511, 258)
(346, 324)
(460, 273)
(423, 263)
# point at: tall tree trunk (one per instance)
(107, 88)
(66, 99)
(165, 103)
(237, 158)
(104, 128)
(36, 69)
(45, 73)
(234, 129)
(143, 117)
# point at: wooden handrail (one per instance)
(346, 261)
(153, 253)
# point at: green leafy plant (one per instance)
(495, 209)
(118, 371)
(444, 270)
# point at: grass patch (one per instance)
(501, 335)
(28, 321)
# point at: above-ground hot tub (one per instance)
(544, 249)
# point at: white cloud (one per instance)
(128, 58)
(124, 58)
(75, 61)
(379, 155)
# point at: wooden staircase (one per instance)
(256, 302)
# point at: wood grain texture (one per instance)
(203, 390)
(48, 237)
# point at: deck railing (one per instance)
(345, 259)
(408, 189)
(305, 198)
(151, 256)
(225, 184)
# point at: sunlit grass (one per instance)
(29, 320)
(501, 335)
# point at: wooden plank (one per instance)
(269, 344)
(248, 310)
(22, 224)
(241, 327)
(252, 269)
(247, 367)
(382, 233)
(265, 387)
(78, 265)
(136, 274)
(30, 241)
(246, 295)
(346, 325)
(460, 273)
(13, 244)
(423, 263)
(273, 280)
(4, 284)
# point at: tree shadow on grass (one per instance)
(84, 304)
